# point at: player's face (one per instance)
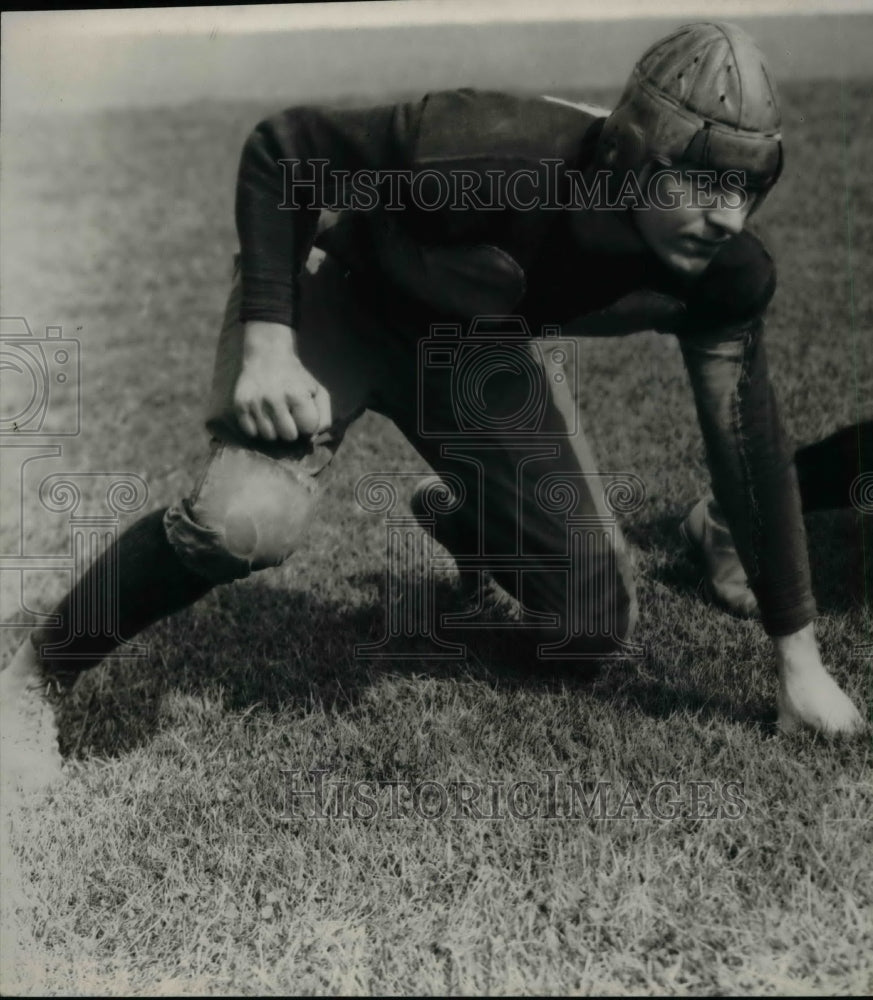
(689, 215)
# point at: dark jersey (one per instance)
(438, 229)
(422, 261)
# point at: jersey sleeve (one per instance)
(735, 289)
(289, 168)
(748, 453)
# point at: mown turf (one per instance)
(166, 863)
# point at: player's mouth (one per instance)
(700, 246)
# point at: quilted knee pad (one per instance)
(247, 512)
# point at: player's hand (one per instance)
(275, 397)
(808, 696)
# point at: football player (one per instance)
(633, 220)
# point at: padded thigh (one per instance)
(247, 512)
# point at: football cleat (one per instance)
(707, 535)
(470, 581)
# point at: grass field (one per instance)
(164, 863)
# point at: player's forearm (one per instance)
(753, 475)
(269, 237)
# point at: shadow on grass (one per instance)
(269, 649)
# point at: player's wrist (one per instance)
(265, 337)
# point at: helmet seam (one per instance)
(690, 114)
(738, 75)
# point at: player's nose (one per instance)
(728, 219)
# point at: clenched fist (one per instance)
(275, 396)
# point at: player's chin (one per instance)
(688, 263)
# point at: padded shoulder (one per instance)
(738, 285)
(472, 126)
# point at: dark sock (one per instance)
(133, 583)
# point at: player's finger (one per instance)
(265, 425)
(322, 404)
(305, 414)
(283, 421)
(247, 423)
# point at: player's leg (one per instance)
(150, 581)
(248, 510)
(520, 484)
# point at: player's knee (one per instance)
(227, 541)
(247, 514)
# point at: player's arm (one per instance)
(287, 171)
(275, 395)
(755, 482)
